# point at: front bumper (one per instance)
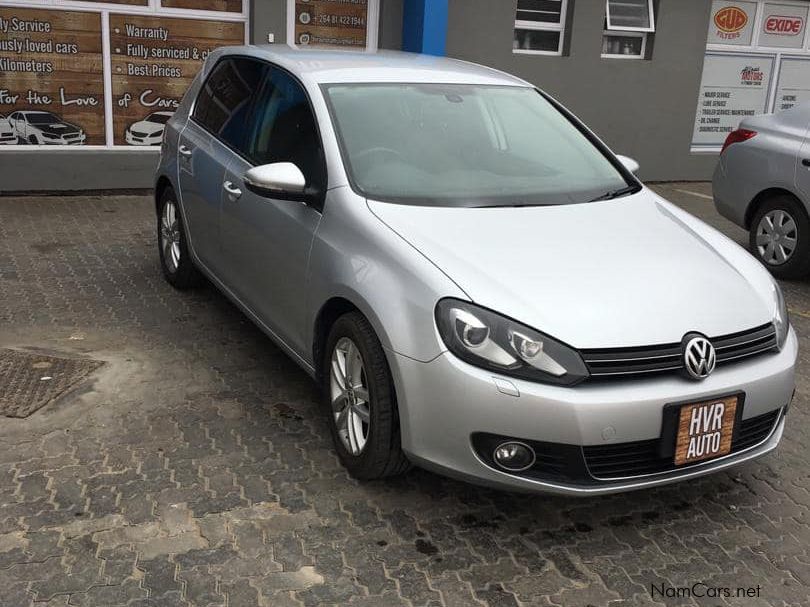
(149, 140)
(445, 402)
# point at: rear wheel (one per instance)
(178, 268)
(359, 396)
(780, 237)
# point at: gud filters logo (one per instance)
(730, 22)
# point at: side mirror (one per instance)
(630, 164)
(279, 179)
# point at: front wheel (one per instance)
(359, 396)
(780, 237)
(178, 268)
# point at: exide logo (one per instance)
(784, 26)
(730, 19)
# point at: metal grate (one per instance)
(29, 381)
(629, 362)
(643, 457)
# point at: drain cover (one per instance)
(29, 381)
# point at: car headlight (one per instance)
(781, 322)
(497, 343)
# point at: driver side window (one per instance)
(283, 128)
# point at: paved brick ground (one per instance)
(196, 469)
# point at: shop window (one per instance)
(540, 27)
(628, 25)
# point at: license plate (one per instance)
(705, 430)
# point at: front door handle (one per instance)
(231, 189)
(184, 151)
(806, 162)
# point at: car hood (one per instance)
(57, 128)
(150, 128)
(633, 271)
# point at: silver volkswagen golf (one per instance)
(479, 284)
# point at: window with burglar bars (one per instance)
(540, 27)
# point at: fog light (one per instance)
(514, 456)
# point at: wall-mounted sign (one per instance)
(332, 23)
(127, 2)
(228, 6)
(793, 85)
(733, 87)
(51, 77)
(732, 22)
(55, 82)
(783, 25)
(154, 59)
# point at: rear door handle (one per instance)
(806, 162)
(231, 189)
(184, 151)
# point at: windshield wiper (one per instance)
(631, 189)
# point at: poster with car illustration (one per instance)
(51, 77)
(154, 60)
(148, 131)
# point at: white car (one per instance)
(7, 134)
(45, 128)
(148, 131)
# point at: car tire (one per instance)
(373, 395)
(780, 237)
(32, 139)
(178, 267)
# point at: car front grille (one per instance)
(612, 462)
(139, 134)
(624, 363)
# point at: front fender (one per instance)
(358, 258)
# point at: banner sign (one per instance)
(154, 60)
(331, 23)
(733, 87)
(793, 85)
(51, 77)
(783, 26)
(54, 78)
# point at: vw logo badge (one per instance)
(699, 357)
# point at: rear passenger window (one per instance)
(225, 99)
(284, 130)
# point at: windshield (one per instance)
(159, 118)
(42, 118)
(465, 145)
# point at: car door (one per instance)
(266, 240)
(803, 166)
(208, 144)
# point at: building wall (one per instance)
(642, 108)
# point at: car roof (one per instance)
(337, 66)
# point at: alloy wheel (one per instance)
(348, 390)
(170, 236)
(776, 237)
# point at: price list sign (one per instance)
(734, 86)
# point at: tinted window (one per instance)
(224, 102)
(284, 128)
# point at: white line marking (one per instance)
(698, 194)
